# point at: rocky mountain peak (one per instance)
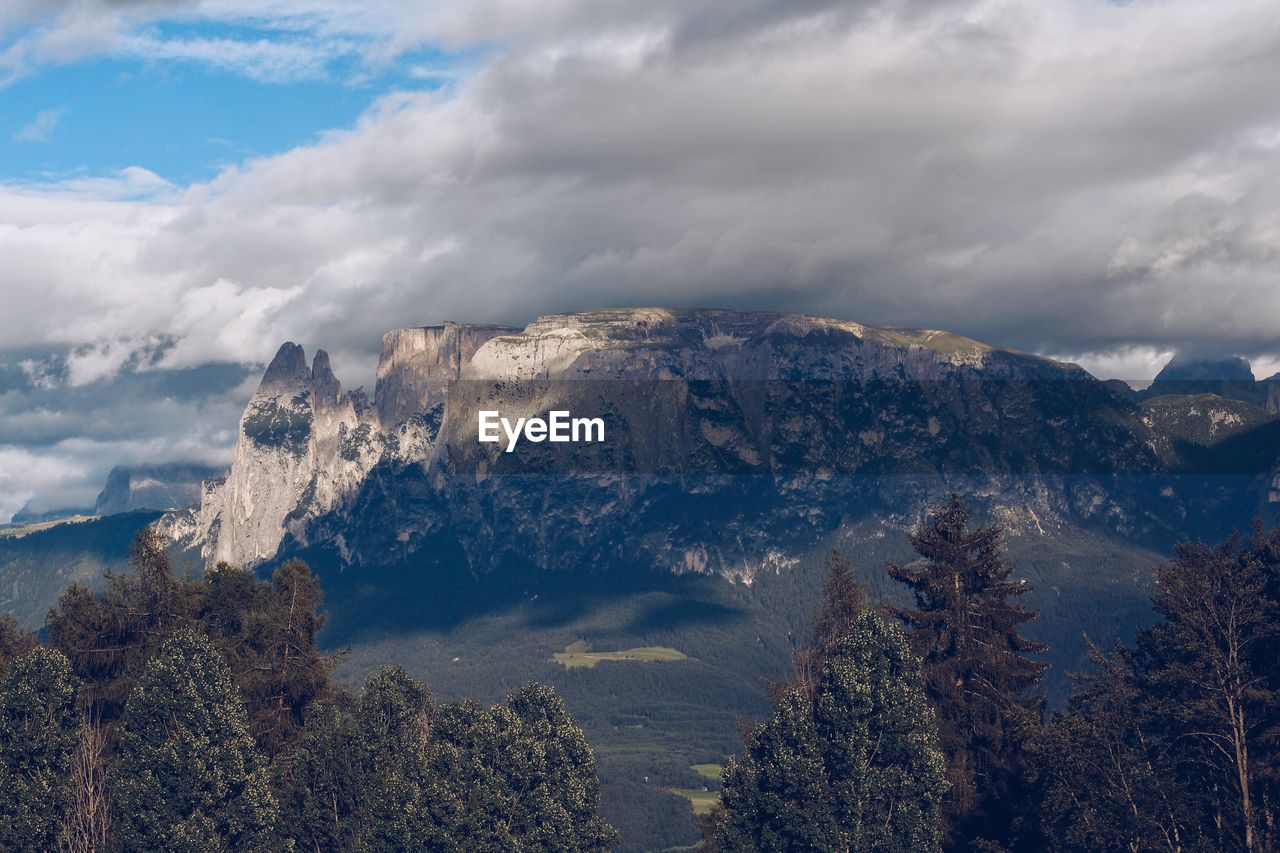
(304, 446)
(306, 449)
(823, 402)
(1231, 378)
(288, 367)
(324, 385)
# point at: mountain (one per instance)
(152, 487)
(27, 515)
(738, 448)
(1204, 419)
(39, 560)
(1233, 369)
(790, 425)
(1231, 378)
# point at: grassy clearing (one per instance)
(17, 531)
(708, 771)
(703, 801)
(579, 654)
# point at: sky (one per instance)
(186, 184)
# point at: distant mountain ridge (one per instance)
(152, 487)
(1230, 378)
(1182, 369)
(27, 515)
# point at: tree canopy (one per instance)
(188, 775)
(855, 766)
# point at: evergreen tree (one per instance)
(358, 779)
(39, 732)
(855, 767)
(1207, 685)
(393, 719)
(265, 631)
(390, 772)
(320, 783)
(188, 775)
(843, 600)
(109, 637)
(557, 764)
(966, 626)
(268, 634)
(520, 776)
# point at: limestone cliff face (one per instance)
(303, 448)
(825, 416)
(417, 364)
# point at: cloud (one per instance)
(1059, 177)
(282, 41)
(23, 473)
(63, 434)
(264, 60)
(132, 183)
(1084, 178)
(41, 127)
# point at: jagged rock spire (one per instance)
(288, 371)
(324, 385)
(289, 367)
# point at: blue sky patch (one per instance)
(192, 100)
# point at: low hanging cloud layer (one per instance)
(1082, 179)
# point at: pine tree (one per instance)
(391, 772)
(855, 767)
(268, 634)
(844, 599)
(39, 733)
(109, 637)
(559, 765)
(966, 626)
(188, 775)
(320, 781)
(393, 722)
